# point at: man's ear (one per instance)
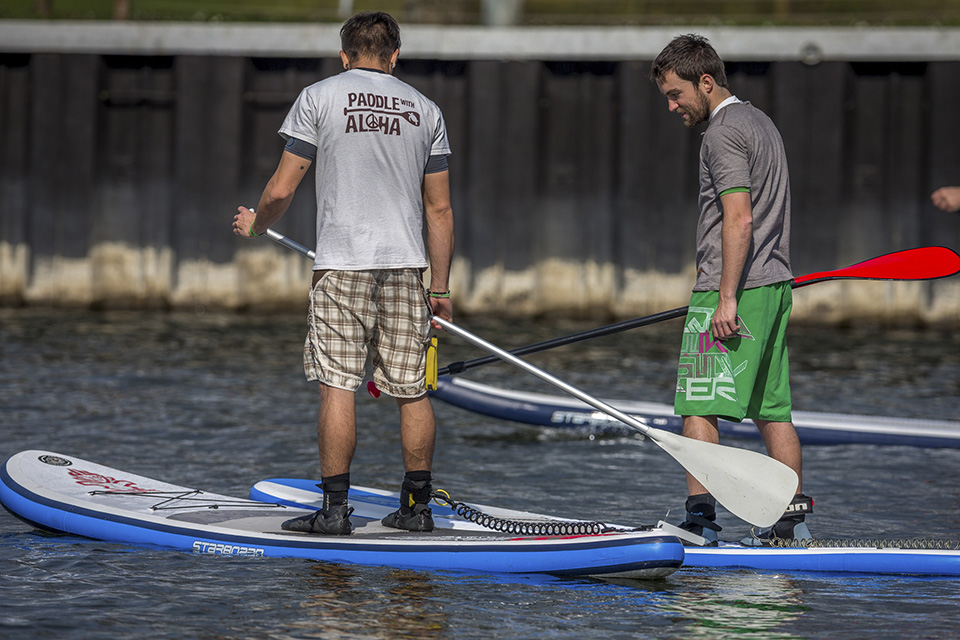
(708, 83)
(345, 60)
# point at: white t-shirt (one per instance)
(374, 135)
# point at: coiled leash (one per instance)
(818, 543)
(524, 527)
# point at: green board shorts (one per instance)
(744, 377)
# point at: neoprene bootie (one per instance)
(414, 513)
(788, 528)
(700, 518)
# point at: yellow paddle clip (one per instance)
(432, 365)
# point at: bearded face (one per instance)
(696, 112)
(687, 99)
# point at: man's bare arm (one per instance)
(276, 197)
(736, 237)
(440, 237)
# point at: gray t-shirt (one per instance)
(374, 135)
(742, 148)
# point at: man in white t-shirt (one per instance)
(380, 153)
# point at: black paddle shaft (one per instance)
(459, 367)
(923, 263)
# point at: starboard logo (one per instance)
(56, 461)
(222, 549)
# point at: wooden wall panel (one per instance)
(61, 164)
(14, 131)
(520, 163)
(810, 103)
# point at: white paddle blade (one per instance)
(750, 485)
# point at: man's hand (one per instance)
(725, 323)
(442, 307)
(947, 198)
(243, 221)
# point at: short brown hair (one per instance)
(372, 34)
(689, 56)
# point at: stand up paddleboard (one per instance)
(897, 557)
(570, 414)
(62, 493)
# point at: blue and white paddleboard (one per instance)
(872, 557)
(62, 493)
(567, 413)
(847, 556)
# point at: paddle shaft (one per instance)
(543, 375)
(459, 367)
(279, 238)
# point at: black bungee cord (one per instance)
(524, 527)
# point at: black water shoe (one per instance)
(414, 513)
(335, 522)
(701, 514)
(417, 518)
(789, 529)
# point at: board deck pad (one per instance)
(62, 493)
(841, 556)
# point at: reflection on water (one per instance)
(339, 604)
(727, 605)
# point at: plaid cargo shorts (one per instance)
(385, 311)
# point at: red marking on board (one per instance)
(90, 479)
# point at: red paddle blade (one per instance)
(923, 263)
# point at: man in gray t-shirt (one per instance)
(733, 358)
(380, 150)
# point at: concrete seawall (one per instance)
(115, 276)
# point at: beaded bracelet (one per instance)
(438, 294)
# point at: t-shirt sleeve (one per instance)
(440, 145)
(727, 157)
(302, 121)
